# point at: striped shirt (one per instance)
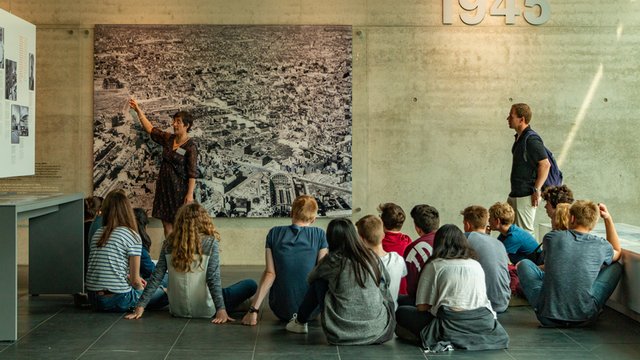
(109, 265)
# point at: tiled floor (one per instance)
(50, 327)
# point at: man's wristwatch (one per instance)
(252, 310)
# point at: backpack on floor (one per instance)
(555, 175)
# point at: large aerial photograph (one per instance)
(272, 113)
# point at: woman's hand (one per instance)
(250, 319)
(604, 212)
(136, 314)
(133, 104)
(221, 317)
(188, 199)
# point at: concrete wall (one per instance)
(429, 100)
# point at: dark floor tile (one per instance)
(123, 354)
(67, 332)
(274, 339)
(391, 349)
(610, 328)
(201, 334)
(146, 334)
(53, 354)
(306, 356)
(618, 352)
(532, 338)
(471, 355)
(209, 354)
(552, 354)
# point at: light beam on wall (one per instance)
(619, 31)
(581, 115)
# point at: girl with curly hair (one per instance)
(191, 256)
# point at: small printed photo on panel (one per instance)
(15, 127)
(1, 48)
(21, 116)
(23, 119)
(32, 78)
(11, 80)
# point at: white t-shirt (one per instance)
(456, 283)
(397, 270)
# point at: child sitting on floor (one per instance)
(371, 231)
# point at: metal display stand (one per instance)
(56, 252)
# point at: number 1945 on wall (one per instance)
(472, 12)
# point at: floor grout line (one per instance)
(509, 354)
(255, 343)
(572, 339)
(100, 337)
(338, 350)
(30, 331)
(177, 338)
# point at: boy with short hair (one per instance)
(426, 221)
(518, 242)
(371, 232)
(394, 240)
(574, 286)
(291, 253)
(491, 256)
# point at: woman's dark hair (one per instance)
(187, 119)
(142, 220)
(558, 195)
(92, 206)
(343, 238)
(450, 243)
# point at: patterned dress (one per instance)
(176, 168)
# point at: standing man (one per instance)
(529, 168)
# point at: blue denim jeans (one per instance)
(159, 299)
(114, 302)
(235, 294)
(531, 278)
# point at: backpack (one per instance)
(555, 175)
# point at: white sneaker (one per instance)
(295, 327)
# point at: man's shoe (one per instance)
(295, 327)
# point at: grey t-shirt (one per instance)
(494, 261)
(572, 263)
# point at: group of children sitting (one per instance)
(369, 280)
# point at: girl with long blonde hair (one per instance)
(191, 256)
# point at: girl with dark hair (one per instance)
(92, 206)
(147, 266)
(452, 308)
(351, 287)
(178, 169)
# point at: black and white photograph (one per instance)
(11, 80)
(15, 128)
(272, 112)
(21, 114)
(32, 77)
(1, 48)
